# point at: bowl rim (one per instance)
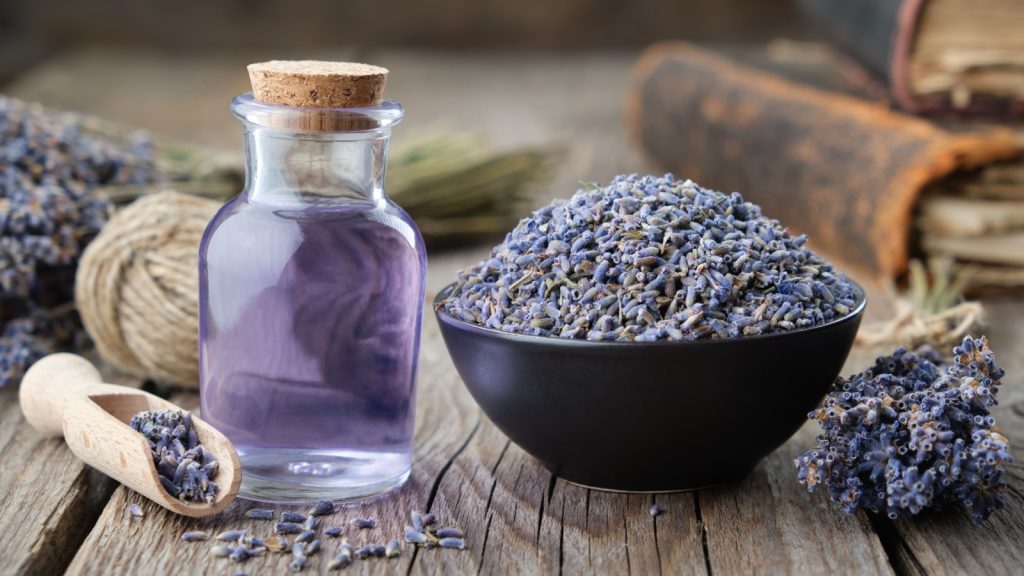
(443, 316)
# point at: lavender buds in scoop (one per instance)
(185, 469)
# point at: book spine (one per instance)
(844, 171)
(880, 34)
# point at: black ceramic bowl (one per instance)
(656, 416)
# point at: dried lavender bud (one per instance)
(299, 549)
(240, 554)
(288, 516)
(288, 528)
(195, 536)
(378, 550)
(333, 531)
(259, 514)
(306, 536)
(221, 551)
(455, 543)
(646, 259)
(230, 535)
(312, 548)
(656, 510)
(253, 541)
(276, 543)
(364, 523)
(135, 510)
(449, 533)
(298, 563)
(393, 549)
(311, 523)
(363, 552)
(428, 519)
(174, 444)
(907, 434)
(417, 521)
(322, 508)
(414, 536)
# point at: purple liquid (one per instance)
(309, 336)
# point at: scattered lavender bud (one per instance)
(378, 550)
(306, 536)
(288, 528)
(135, 510)
(195, 536)
(414, 536)
(172, 439)
(298, 563)
(455, 543)
(299, 549)
(908, 434)
(289, 516)
(312, 548)
(417, 521)
(393, 549)
(240, 554)
(333, 531)
(363, 552)
(364, 523)
(311, 523)
(428, 519)
(650, 259)
(449, 533)
(253, 541)
(656, 510)
(221, 551)
(322, 508)
(230, 535)
(259, 514)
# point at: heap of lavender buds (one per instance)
(49, 165)
(906, 435)
(186, 470)
(646, 259)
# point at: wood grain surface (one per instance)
(55, 515)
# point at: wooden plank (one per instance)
(50, 499)
(768, 524)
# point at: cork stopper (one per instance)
(318, 84)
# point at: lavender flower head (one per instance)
(906, 435)
(646, 259)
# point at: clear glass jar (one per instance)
(311, 299)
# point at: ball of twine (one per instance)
(137, 287)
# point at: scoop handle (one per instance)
(50, 385)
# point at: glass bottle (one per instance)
(311, 298)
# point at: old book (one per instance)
(847, 171)
(935, 55)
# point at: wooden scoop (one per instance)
(63, 394)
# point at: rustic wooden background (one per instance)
(33, 29)
(57, 515)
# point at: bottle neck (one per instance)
(297, 168)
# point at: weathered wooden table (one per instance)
(57, 515)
